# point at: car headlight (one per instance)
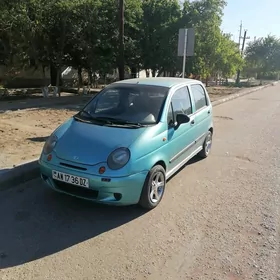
(50, 144)
(118, 158)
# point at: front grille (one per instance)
(76, 190)
(72, 166)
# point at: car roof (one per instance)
(159, 81)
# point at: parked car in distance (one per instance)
(128, 140)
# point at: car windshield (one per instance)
(127, 104)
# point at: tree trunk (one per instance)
(206, 81)
(45, 89)
(45, 82)
(95, 80)
(80, 79)
(133, 72)
(53, 74)
(58, 80)
(153, 73)
(90, 80)
(147, 73)
(61, 52)
(121, 41)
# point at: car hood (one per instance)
(91, 144)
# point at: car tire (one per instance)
(207, 144)
(153, 189)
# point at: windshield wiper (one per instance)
(120, 121)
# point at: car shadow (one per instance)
(194, 160)
(37, 222)
(38, 139)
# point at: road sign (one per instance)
(189, 35)
(186, 45)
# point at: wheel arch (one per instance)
(162, 163)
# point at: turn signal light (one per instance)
(49, 157)
(102, 169)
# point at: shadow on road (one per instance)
(37, 222)
(190, 162)
(4, 170)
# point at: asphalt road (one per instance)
(219, 218)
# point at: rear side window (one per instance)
(199, 96)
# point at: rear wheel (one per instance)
(206, 145)
(153, 188)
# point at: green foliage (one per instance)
(263, 57)
(229, 59)
(159, 34)
(85, 34)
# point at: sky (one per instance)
(259, 17)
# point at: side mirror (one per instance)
(182, 118)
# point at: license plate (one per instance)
(70, 179)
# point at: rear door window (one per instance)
(199, 96)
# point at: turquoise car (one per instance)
(125, 143)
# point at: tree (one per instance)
(206, 17)
(159, 34)
(263, 56)
(228, 57)
(84, 34)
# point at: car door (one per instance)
(202, 112)
(180, 139)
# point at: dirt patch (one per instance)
(218, 92)
(23, 133)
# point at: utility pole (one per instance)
(185, 53)
(242, 51)
(240, 36)
(121, 40)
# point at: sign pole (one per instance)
(185, 53)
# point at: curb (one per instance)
(30, 170)
(19, 174)
(241, 93)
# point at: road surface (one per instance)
(219, 218)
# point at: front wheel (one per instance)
(153, 188)
(206, 145)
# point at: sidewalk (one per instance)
(40, 102)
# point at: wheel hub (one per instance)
(157, 187)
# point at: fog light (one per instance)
(117, 196)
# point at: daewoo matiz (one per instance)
(128, 140)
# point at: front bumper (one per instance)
(106, 190)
